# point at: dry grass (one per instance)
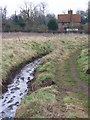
(62, 45)
(82, 65)
(16, 47)
(16, 50)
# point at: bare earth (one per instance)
(81, 85)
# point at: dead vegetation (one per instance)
(53, 93)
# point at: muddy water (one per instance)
(17, 90)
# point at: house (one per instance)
(65, 21)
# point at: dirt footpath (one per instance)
(80, 84)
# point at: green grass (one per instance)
(45, 71)
(47, 66)
(70, 114)
(82, 65)
(45, 95)
(46, 75)
(16, 52)
(66, 74)
(41, 48)
(69, 99)
(83, 98)
(34, 104)
(76, 102)
(46, 101)
(78, 99)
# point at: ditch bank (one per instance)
(47, 93)
(15, 70)
(17, 90)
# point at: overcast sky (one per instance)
(54, 6)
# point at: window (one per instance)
(62, 23)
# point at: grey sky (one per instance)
(54, 6)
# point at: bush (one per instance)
(52, 24)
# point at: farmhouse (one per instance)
(69, 21)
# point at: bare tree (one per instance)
(3, 11)
(64, 11)
(43, 7)
(34, 13)
(27, 10)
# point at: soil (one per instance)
(88, 71)
(59, 110)
(63, 90)
(15, 70)
(81, 85)
(44, 83)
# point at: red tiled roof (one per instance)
(76, 18)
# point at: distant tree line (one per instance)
(33, 18)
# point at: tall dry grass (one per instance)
(16, 48)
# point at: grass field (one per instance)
(18, 50)
(54, 90)
(81, 63)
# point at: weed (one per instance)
(69, 99)
(68, 79)
(70, 114)
(82, 65)
(41, 48)
(54, 66)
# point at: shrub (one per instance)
(52, 24)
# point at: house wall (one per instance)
(61, 27)
(74, 20)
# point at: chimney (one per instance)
(70, 12)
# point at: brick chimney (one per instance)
(70, 12)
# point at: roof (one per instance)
(76, 18)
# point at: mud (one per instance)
(15, 70)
